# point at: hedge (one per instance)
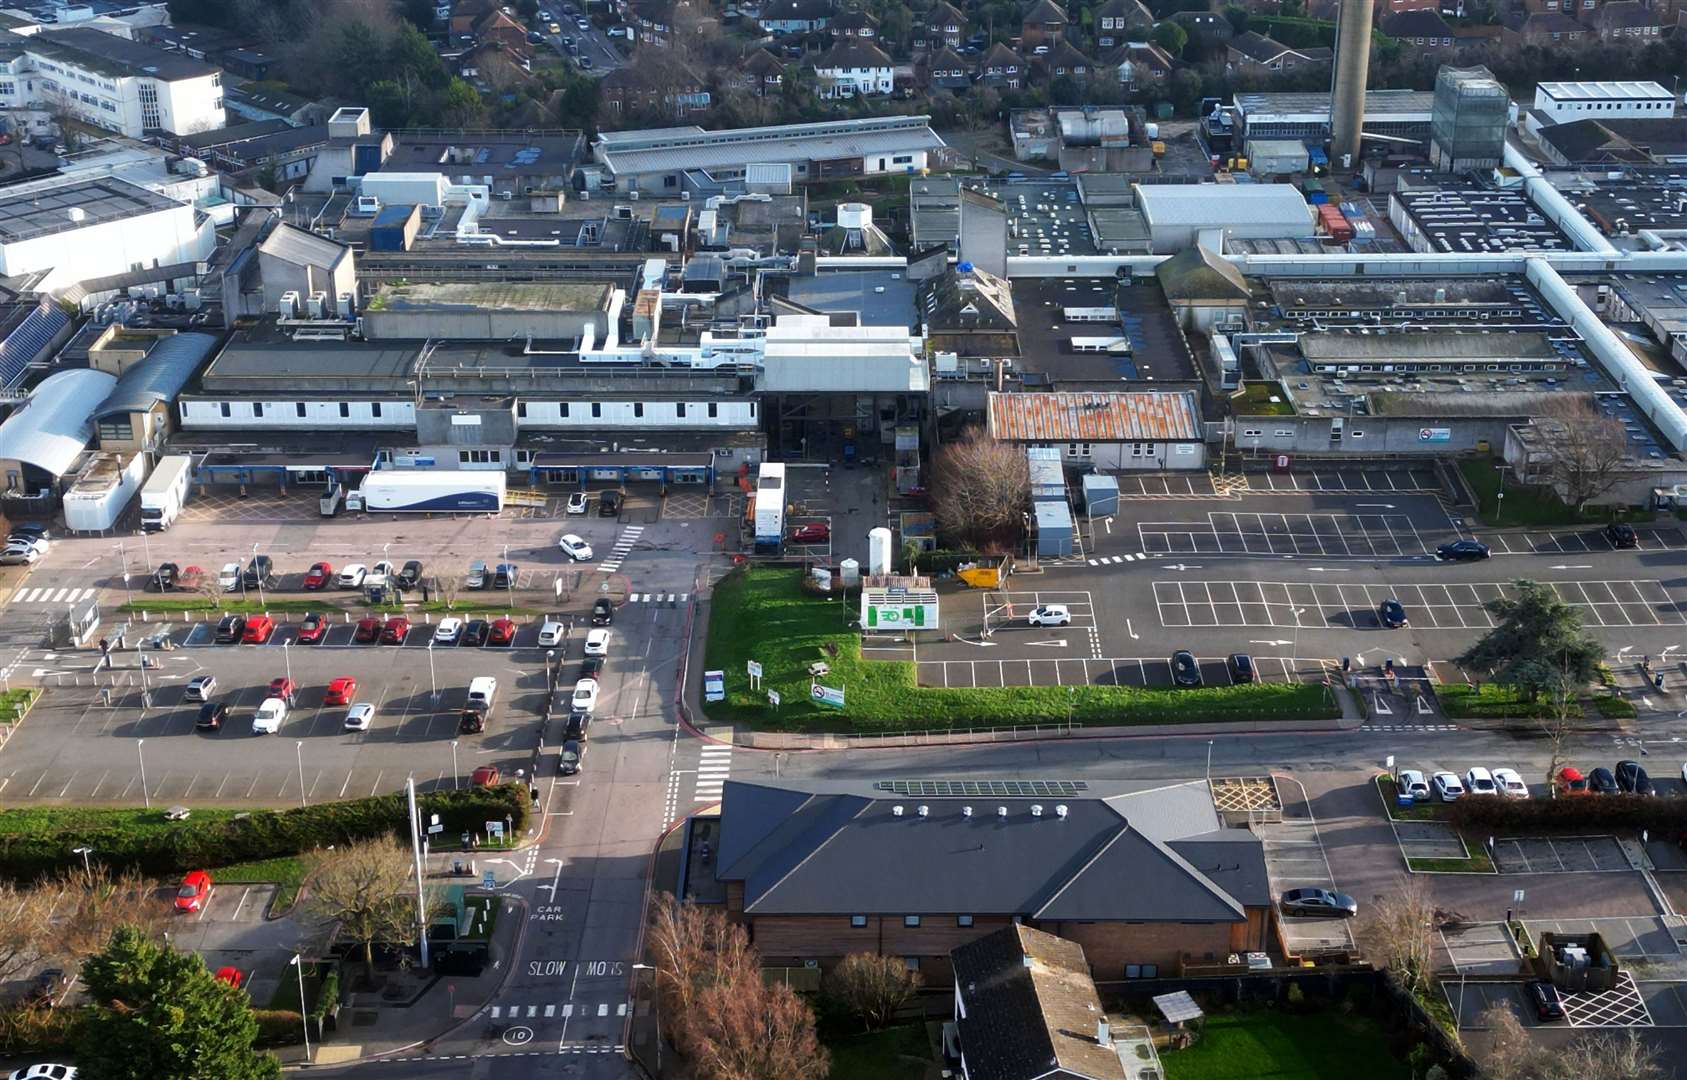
(36, 842)
(277, 1027)
(1607, 813)
(943, 560)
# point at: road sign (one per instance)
(825, 695)
(435, 830)
(488, 880)
(494, 828)
(754, 668)
(773, 698)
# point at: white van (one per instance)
(482, 690)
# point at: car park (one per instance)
(1479, 781)
(410, 575)
(1570, 781)
(351, 577)
(483, 690)
(1318, 904)
(228, 578)
(200, 688)
(584, 697)
(578, 502)
(471, 720)
(597, 643)
(368, 629)
(396, 630)
(230, 628)
(603, 611)
(1602, 782)
(1049, 615)
(1620, 534)
(267, 720)
(485, 776)
(194, 892)
(33, 530)
(282, 687)
(340, 691)
(575, 548)
(359, 717)
(1632, 779)
(1392, 614)
(1186, 672)
(211, 716)
(1447, 786)
(448, 631)
(1462, 551)
(165, 577)
(1510, 784)
(812, 533)
(1411, 782)
(257, 630)
(572, 756)
(1544, 997)
(504, 576)
(1241, 668)
(608, 502)
(551, 633)
(502, 632)
(312, 629)
(474, 632)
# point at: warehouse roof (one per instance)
(1221, 205)
(27, 214)
(1441, 347)
(679, 149)
(1095, 417)
(1379, 104)
(302, 248)
(547, 296)
(158, 376)
(52, 428)
(1618, 90)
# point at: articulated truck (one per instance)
(420, 491)
(165, 492)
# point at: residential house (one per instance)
(1117, 20)
(1141, 64)
(1385, 8)
(1204, 27)
(854, 67)
(795, 16)
(1063, 61)
(1002, 68)
(1423, 28)
(1026, 1008)
(653, 85)
(941, 27)
(498, 28)
(761, 73)
(1143, 875)
(947, 69)
(1543, 29)
(1251, 51)
(491, 67)
(1626, 20)
(1044, 24)
(856, 24)
(655, 19)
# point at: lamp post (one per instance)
(1297, 612)
(1209, 762)
(509, 579)
(123, 553)
(432, 682)
(146, 548)
(304, 1020)
(145, 795)
(300, 749)
(85, 851)
(287, 658)
(456, 777)
(257, 574)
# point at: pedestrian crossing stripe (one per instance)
(658, 598)
(565, 1011)
(1108, 560)
(50, 595)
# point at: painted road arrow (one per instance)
(1059, 643)
(1182, 566)
(1328, 570)
(1376, 506)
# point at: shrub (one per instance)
(277, 1027)
(126, 842)
(27, 1030)
(942, 560)
(1606, 813)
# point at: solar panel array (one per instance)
(26, 342)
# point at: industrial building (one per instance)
(94, 228)
(1176, 214)
(1466, 219)
(1562, 102)
(1146, 431)
(1401, 114)
(1467, 130)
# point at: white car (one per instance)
(20, 554)
(380, 573)
(551, 633)
(575, 548)
(1510, 784)
(352, 576)
(597, 642)
(1447, 786)
(44, 1072)
(1411, 782)
(267, 720)
(1049, 615)
(359, 716)
(585, 696)
(229, 577)
(1479, 781)
(447, 630)
(578, 502)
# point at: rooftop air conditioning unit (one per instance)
(288, 307)
(318, 305)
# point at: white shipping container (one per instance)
(770, 503)
(95, 504)
(402, 188)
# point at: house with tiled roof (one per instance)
(761, 73)
(1044, 24)
(1546, 28)
(1251, 51)
(1002, 68)
(854, 67)
(795, 16)
(940, 27)
(947, 69)
(1626, 20)
(856, 24)
(654, 83)
(1116, 19)
(1422, 28)
(1062, 61)
(1140, 64)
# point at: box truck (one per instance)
(165, 492)
(770, 508)
(402, 491)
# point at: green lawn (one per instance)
(896, 1053)
(67, 820)
(1523, 505)
(287, 872)
(1423, 811)
(1255, 400)
(761, 614)
(14, 703)
(1493, 702)
(1283, 1046)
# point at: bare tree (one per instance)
(365, 887)
(1586, 449)
(1611, 1057)
(692, 948)
(88, 906)
(1556, 725)
(1400, 931)
(748, 1030)
(979, 489)
(873, 987)
(447, 588)
(1512, 1054)
(23, 921)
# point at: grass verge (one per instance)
(896, 1053)
(1523, 505)
(1492, 702)
(287, 873)
(761, 613)
(1477, 863)
(1255, 400)
(482, 912)
(1429, 811)
(14, 704)
(1285, 1046)
(1612, 707)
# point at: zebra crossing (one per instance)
(623, 547)
(557, 1010)
(713, 764)
(1105, 560)
(51, 595)
(658, 598)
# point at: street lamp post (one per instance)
(656, 998)
(509, 579)
(432, 682)
(287, 658)
(146, 548)
(304, 1020)
(456, 777)
(257, 574)
(1294, 659)
(300, 747)
(146, 796)
(85, 851)
(1209, 762)
(123, 553)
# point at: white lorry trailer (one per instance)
(424, 491)
(165, 492)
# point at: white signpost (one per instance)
(754, 668)
(773, 698)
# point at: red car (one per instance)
(368, 628)
(485, 776)
(502, 632)
(393, 633)
(815, 533)
(340, 691)
(195, 891)
(312, 629)
(230, 975)
(319, 575)
(258, 629)
(282, 687)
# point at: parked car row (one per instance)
(385, 629)
(26, 545)
(1627, 778)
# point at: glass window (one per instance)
(597, 410)
(963, 920)
(225, 409)
(714, 410)
(375, 409)
(638, 409)
(858, 921)
(345, 409)
(679, 409)
(910, 920)
(257, 410)
(299, 406)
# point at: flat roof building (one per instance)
(1563, 102)
(95, 228)
(1400, 113)
(1176, 213)
(1463, 219)
(111, 82)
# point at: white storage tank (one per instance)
(850, 570)
(878, 551)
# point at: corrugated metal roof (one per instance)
(299, 246)
(687, 149)
(1144, 415)
(158, 376)
(51, 428)
(1221, 205)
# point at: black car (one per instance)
(472, 720)
(1601, 782)
(504, 576)
(1241, 668)
(1319, 904)
(211, 716)
(609, 503)
(45, 988)
(603, 612)
(260, 571)
(572, 757)
(590, 667)
(1392, 614)
(165, 577)
(1185, 671)
(474, 632)
(1632, 779)
(33, 530)
(578, 722)
(1544, 997)
(535, 38)
(411, 575)
(1463, 550)
(1620, 534)
(230, 629)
